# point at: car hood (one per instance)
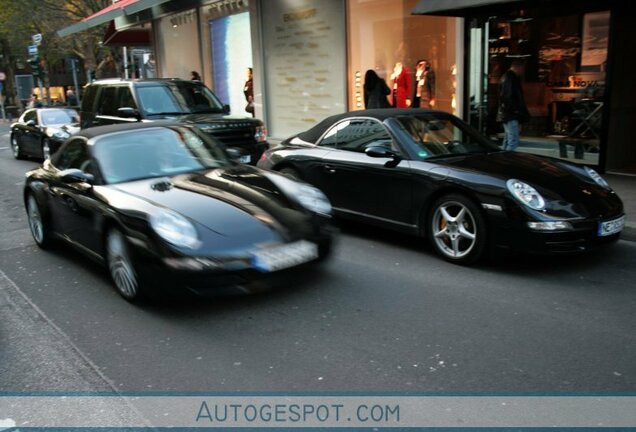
(237, 201)
(570, 192)
(220, 119)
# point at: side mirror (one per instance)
(226, 109)
(234, 153)
(127, 112)
(74, 175)
(380, 152)
(30, 123)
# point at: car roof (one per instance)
(312, 135)
(122, 127)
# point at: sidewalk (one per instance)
(625, 187)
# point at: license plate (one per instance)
(284, 256)
(246, 159)
(611, 227)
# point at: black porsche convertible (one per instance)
(163, 205)
(428, 173)
(39, 132)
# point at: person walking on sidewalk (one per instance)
(512, 105)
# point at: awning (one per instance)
(135, 37)
(459, 8)
(115, 10)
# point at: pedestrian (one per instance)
(194, 76)
(71, 99)
(34, 102)
(375, 91)
(401, 79)
(248, 91)
(512, 105)
(424, 91)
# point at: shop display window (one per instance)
(563, 84)
(382, 33)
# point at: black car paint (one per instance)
(399, 196)
(31, 136)
(233, 209)
(234, 131)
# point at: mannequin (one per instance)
(401, 78)
(424, 94)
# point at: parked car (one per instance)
(191, 102)
(39, 132)
(428, 173)
(162, 205)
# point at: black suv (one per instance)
(123, 101)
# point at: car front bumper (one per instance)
(517, 236)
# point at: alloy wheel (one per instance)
(120, 266)
(36, 223)
(46, 149)
(15, 147)
(454, 229)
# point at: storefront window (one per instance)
(563, 84)
(383, 33)
(178, 45)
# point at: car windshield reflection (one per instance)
(58, 117)
(178, 100)
(156, 152)
(435, 137)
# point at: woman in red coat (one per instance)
(401, 78)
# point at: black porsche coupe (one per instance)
(163, 205)
(428, 173)
(39, 132)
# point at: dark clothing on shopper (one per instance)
(375, 91)
(512, 105)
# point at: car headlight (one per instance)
(175, 229)
(306, 195)
(525, 194)
(597, 178)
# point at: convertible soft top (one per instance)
(312, 135)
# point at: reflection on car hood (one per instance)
(237, 200)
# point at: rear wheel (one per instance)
(16, 148)
(121, 268)
(457, 229)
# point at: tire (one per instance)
(46, 149)
(125, 277)
(37, 223)
(16, 149)
(290, 172)
(457, 229)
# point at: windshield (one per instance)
(58, 116)
(178, 98)
(442, 136)
(156, 152)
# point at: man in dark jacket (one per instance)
(512, 106)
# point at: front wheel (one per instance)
(37, 224)
(457, 229)
(46, 149)
(121, 269)
(16, 149)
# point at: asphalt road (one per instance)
(385, 314)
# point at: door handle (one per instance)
(330, 169)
